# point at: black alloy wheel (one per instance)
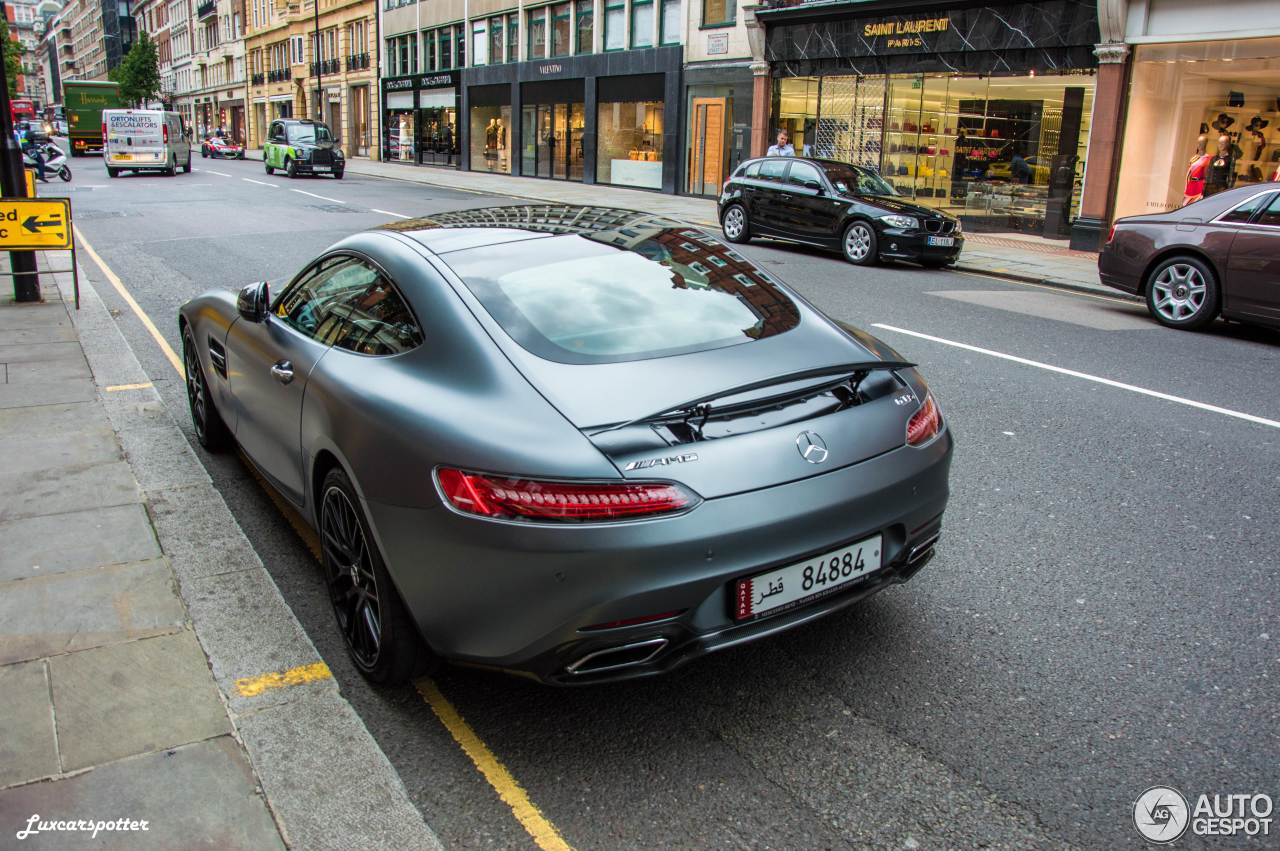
(268, 168)
(210, 430)
(291, 169)
(380, 638)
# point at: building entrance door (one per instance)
(706, 170)
(553, 140)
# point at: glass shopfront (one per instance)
(1002, 153)
(552, 123)
(490, 129)
(438, 127)
(1202, 117)
(420, 119)
(398, 128)
(629, 131)
(979, 111)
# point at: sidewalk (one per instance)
(1020, 258)
(153, 683)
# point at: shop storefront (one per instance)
(1208, 110)
(718, 124)
(420, 119)
(608, 118)
(979, 111)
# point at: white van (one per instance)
(144, 140)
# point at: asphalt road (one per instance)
(1101, 617)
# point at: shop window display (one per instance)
(491, 139)
(400, 135)
(1203, 117)
(629, 151)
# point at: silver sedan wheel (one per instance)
(735, 222)
(1179, 292)
(857, 242)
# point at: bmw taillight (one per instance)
(505, 498)
(1111, 235)
(924, 424)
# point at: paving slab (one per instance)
(247, 629)
(200, 534)
(45, 420)
(65, 612)
(27, 394)
(59, 542)
(64, 489)
(126, 699)
(26, 372)
(39, 352)
(45, 334)
(27, 746)
(15, 316)
(74, 446)
(202, 796)
(161, 457)
(348, 782)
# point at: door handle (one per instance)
(785, 197)
(283, 371)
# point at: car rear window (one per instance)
(627, 294)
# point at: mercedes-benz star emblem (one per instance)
(812, 447)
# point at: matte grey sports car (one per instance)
(574, 443)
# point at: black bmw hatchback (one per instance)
(838, 206)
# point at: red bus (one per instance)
(22, 110)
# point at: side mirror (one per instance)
(254, 302)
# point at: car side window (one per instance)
(313, 304)
(773, 169)
(376, 320)
(804, 176)
(1271, 216)
(277, 133)
(750, 170)
(1243, 212)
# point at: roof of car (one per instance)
(462, 229)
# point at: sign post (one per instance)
(22, 264)
(39, 224)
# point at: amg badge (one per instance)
(661, 462)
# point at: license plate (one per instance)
(122, 156)
(799, 583)
(321, 168)
(944, 241)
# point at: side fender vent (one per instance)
(218, 356)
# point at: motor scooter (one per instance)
(55, 161)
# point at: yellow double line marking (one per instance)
(538, 826)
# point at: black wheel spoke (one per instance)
(353, 584)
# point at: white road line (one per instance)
(1155, 394)
(260, 183)
(211, 171)
(389, 213)
(321, 197)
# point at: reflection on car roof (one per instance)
(461, 229)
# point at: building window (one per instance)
(513, 38)
(642, 23)
(538, 33)
(561, 29)
(717, 13)
(480, 45)
(446, 49)
(460, 36)
(430, 39)
(495, 40)
(630, 144)
(615, 25)
(584, 13)
(670, 22)
(295, 44)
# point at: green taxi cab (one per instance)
(302, 146)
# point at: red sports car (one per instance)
(221, 147)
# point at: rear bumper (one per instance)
(1117, 272)
(517, 597)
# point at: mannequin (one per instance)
(1221, 172)
(1196, 170)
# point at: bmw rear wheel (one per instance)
(1182, 292)
(735, 225)
(210, 430)
(380, 638)
(859, 244)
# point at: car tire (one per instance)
(113, 172)
(268, 168)
(381, 639)
(204, 153)
(735, 225)
(211, 431)
(186, 167)
(290, 169)
(859, 244)
(171, 170)
(337, 175)
(1182, 292)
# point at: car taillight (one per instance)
(1111, 234)
(924, 424)
(565, 502)
(104, 131)
(164, 129)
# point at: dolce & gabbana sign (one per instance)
(398, 84)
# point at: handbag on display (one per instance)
(1235, 98)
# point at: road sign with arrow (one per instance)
(38, 224)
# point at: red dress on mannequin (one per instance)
(1195, 179)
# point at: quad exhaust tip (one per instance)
(923, 548)
(616, 658)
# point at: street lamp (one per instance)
(319, 72)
